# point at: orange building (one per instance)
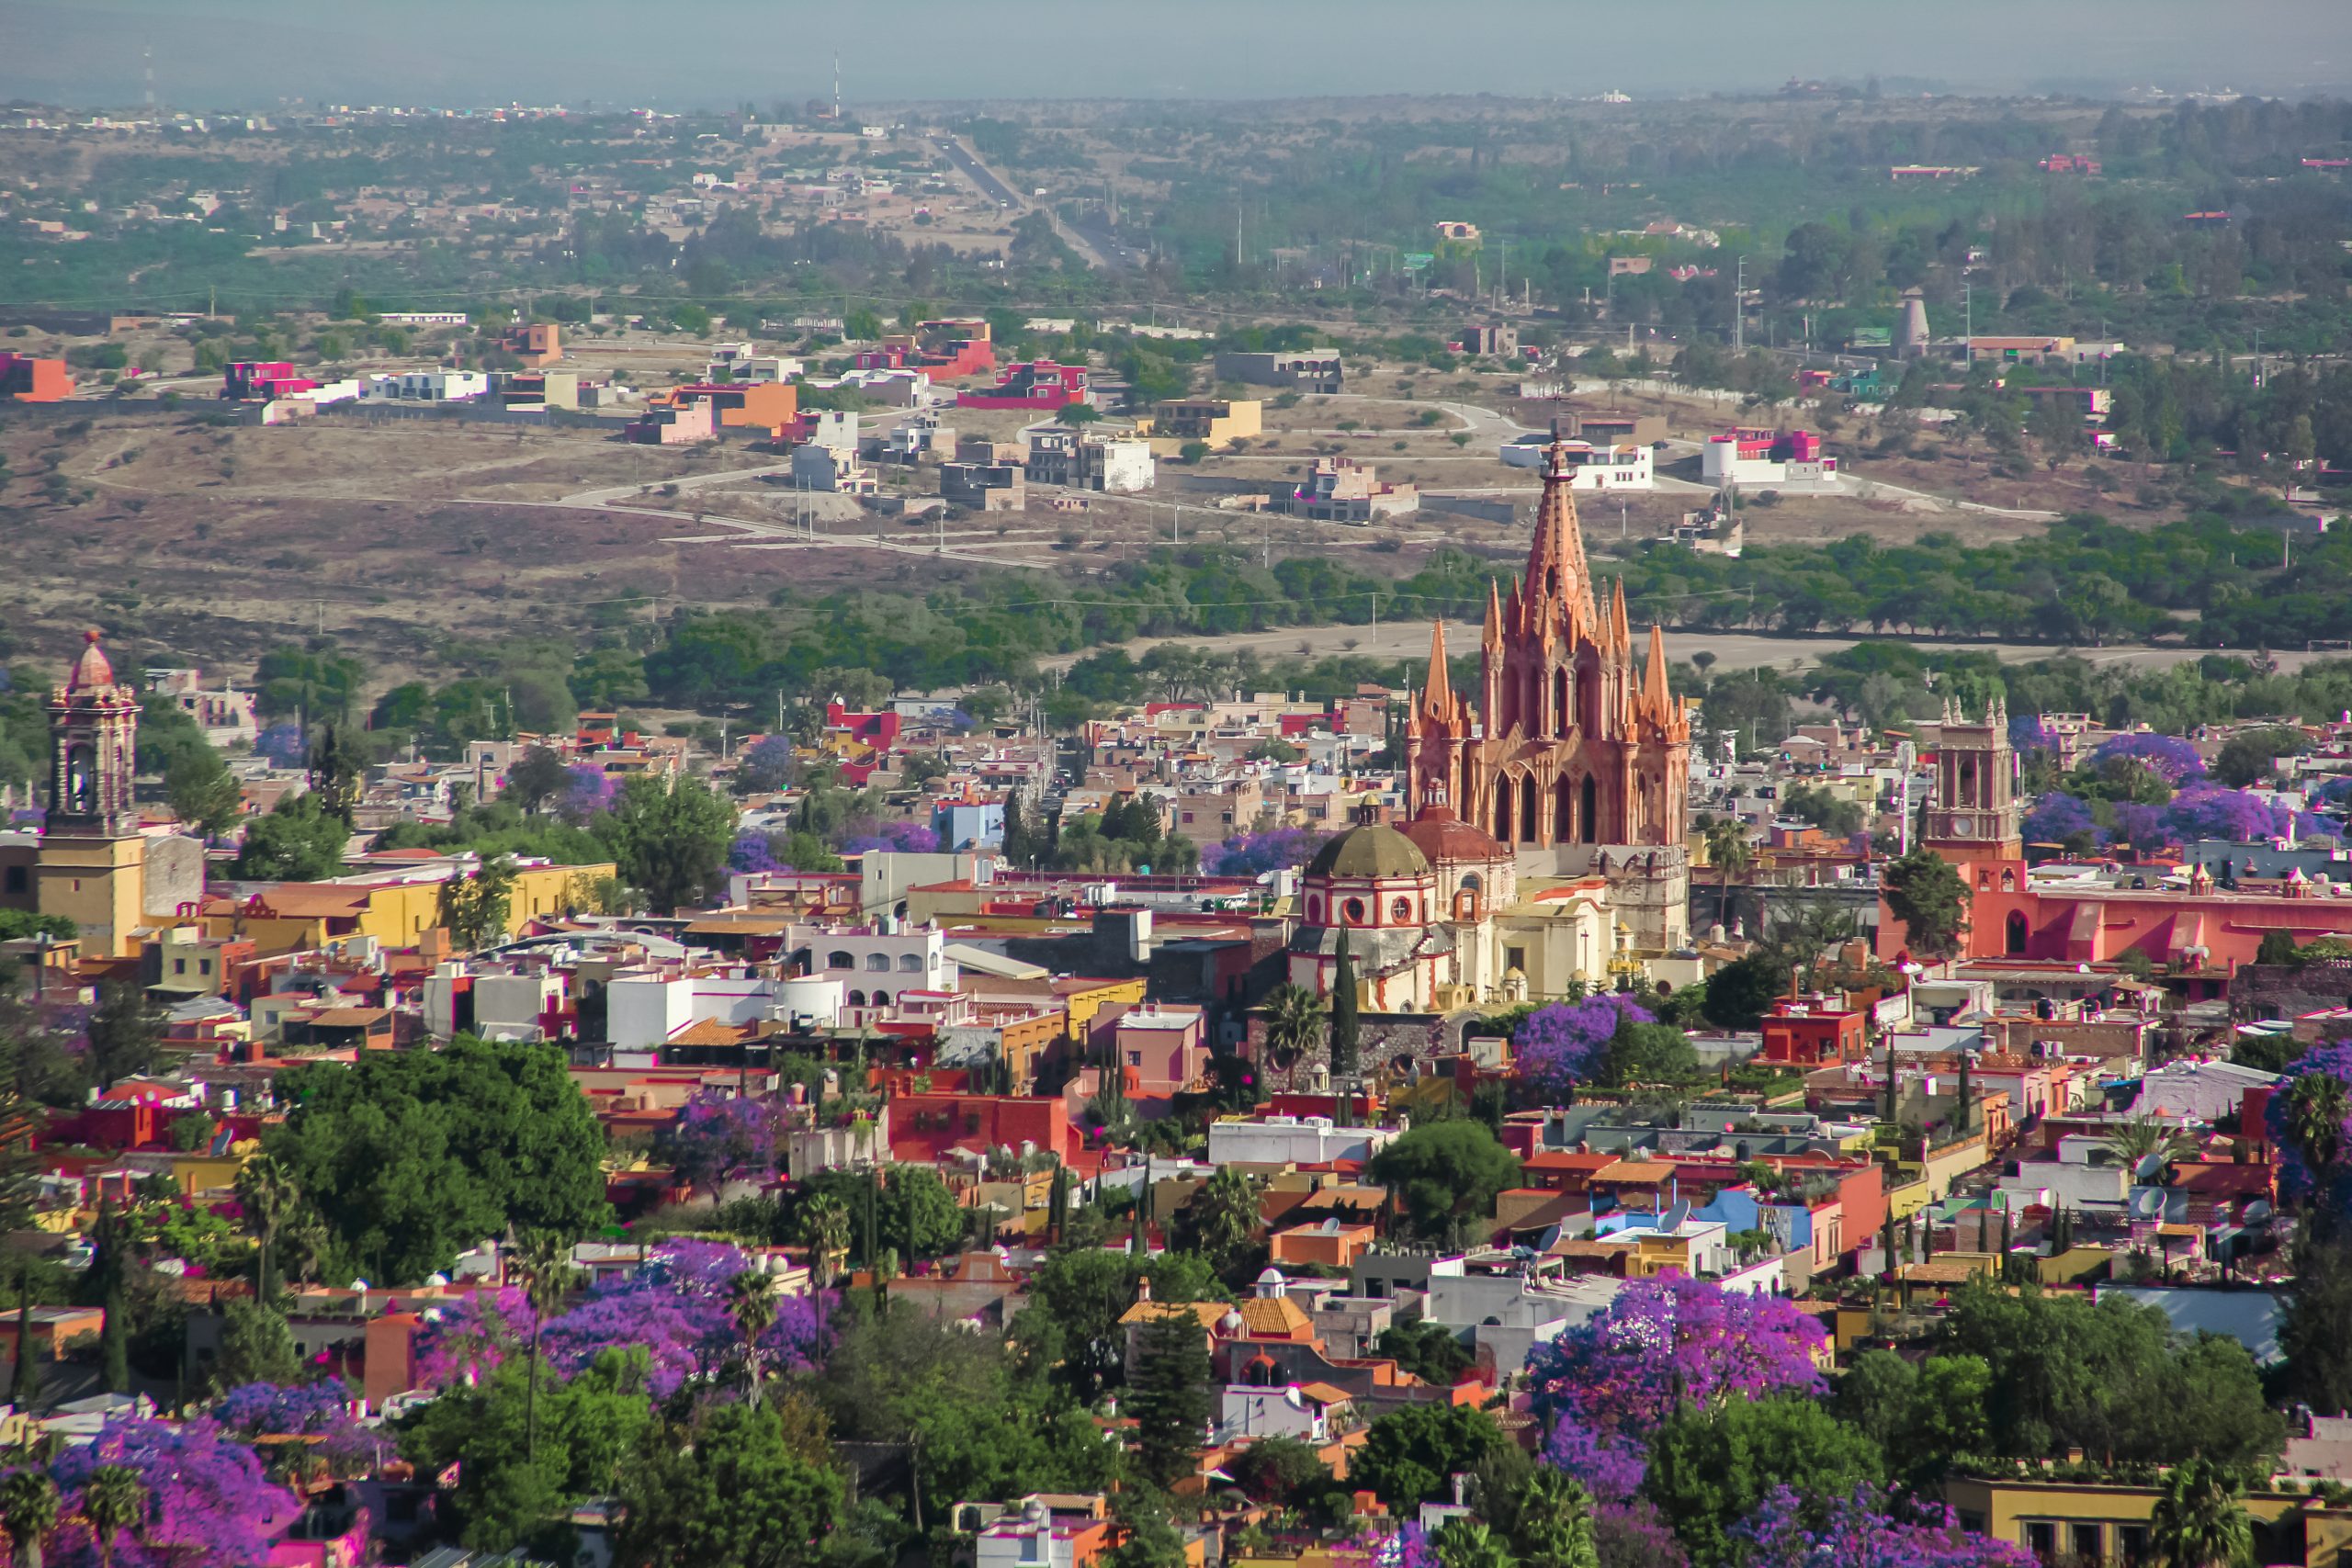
(30, 380)
(766, 406)
(1813, 1031)
(537, 343)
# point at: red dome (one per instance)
(92, 669)
(1445, 839)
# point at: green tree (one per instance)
(1554, 1525)
(2316, 1106)
(548, 1280)
(2199, 1520)
(1709, 1466)
(267, 1193)
(1170, 1395)
(256, 1346)
(1282, 1470)
(2251, 756)
(2277, 948)
(731, 1490)
(410, 1157)
(336, 764)
(125, 1028)
(2315, 1324)
(537, 776)
(1294, 1023)
(1464, 1542)
(751, 1305)
(29, 1506)
(113, 1500)
(474, 909)
(1220, 1222)
(1730, 854)
(1929, 897)
(1447, 1173)
(1740, 993)
(1428, 1351)
(1408, 1454)
(669, 840)
(203, 793)
(1346, 1032)
(299, 840)
(589, 1428)
(114, 1340)
(1083, 1292)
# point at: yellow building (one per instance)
(1218, 422)
(2086, 1521)
(1551, 936)
(395, 908)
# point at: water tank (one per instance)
(1911, 329)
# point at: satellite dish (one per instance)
(1292, 1397)
(2148, 1203)
(2258, 1209)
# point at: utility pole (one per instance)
(1739, 307)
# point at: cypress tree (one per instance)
(869, 1230)
(1344, 1028)
(114, 1342)
(1020, 846)
(24, 1388)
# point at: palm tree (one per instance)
(751, 1302)
(1223, 1215)
(1462, 1543)
(2199, 1521)
(1730, 854)
(115, 1500)
(2316, 1107)
(2132, 1142)
(266, 1193)
(824, 1230)
(1294, 1022)
(548, 1276)
(28, 1509)
(1555, 1527)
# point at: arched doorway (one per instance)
(1502, 806)
(2016, 934)
(1588, 816)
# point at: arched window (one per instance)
(1400, 911)
(1589, 813)
(2017, 934)
(877, 963)
(837, 959)
(1563, 813)
(858, 999)
(1985, 880)
(1502, 807)
(1967, 782)
(911, 964)
(881, 999)
(1315, 911)
(1354, 909)
(1527, 793)
(1562, 719)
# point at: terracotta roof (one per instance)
(93, 669)
(1441, 836)
(351, 1018)
(1209, 1313)
(1636, 1170)
(713, 1031)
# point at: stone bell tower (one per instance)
(92, 856)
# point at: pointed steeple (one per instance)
(1655, 696)
(1492, 636)
(1621, 634)
(1437, 696)
(1557, 576)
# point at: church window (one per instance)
(1354, 909)
(1527, 812)
(1315, 911)
(1589, 819)
(1401, 911)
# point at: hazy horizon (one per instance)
(715, 54)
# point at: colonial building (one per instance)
(1375, 887)
(1576, 755)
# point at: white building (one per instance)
(1292, 1140)
(1623, 466)
(1788, 458)
(429, 385)
(874, 958)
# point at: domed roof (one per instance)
(1371, 849)
(1438, 833)
(93, 669)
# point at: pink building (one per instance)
(675, 426)
(252, 378)
(1159, 1050)
(1042, 385)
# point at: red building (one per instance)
(1042, 385)
(1814, 1032)
(250, 380)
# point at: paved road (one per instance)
(1104, 252)
(1733, 650)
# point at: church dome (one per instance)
(93, 669)
(1445, 839)
(1374, 850)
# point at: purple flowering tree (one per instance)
(1631, 1535)
(2142, 827)
(676, 1307)
(2296, 1177)
(1606, 1384)
(464, 1341)
(1871, 1528)
(2059, 817)
(899, 836)
(207, 1498)
(1253, 854)
(590, 790)
(751, 854)
(1564, 1043)
(717, 1133)
(281, 743)
(2173, 760)
(766, 765)
(2031, 732)
(2207, 811)
(322, 1410)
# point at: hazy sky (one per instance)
(685, 53)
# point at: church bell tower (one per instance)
(93, 857)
